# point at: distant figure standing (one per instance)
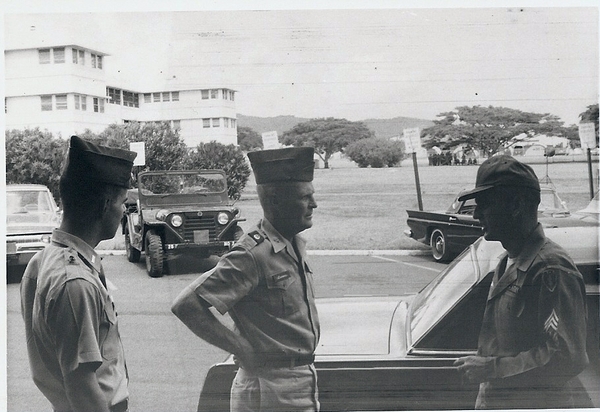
(532, 343)
(266, 285)
(75, 351)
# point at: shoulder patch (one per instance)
(257, 237)
(550, 279)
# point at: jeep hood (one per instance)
(362, 325)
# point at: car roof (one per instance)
(24, 187)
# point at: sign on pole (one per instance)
(140, 149)
(587, 135)
(412, 139)
(270, 140)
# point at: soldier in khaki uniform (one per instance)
(266, 285)
(532, 343)
(75, 351)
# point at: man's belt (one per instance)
(286, 362)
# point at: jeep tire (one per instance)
(154, 254)
(133, 255)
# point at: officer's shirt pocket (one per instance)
(513, 302)
(282, 298)
(109, 334)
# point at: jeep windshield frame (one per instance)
(159, 188)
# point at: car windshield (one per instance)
(438, 298)
(184, 183)
(29, 205)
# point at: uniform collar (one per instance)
(279, 242)
(85, 251)
(531, 248)
(522, 262)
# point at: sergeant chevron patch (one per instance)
(551, 324)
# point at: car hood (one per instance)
(362, 325)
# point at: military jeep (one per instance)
(179, 212)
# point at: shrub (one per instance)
(228, 158)
(375, 152)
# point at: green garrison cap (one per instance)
(502, 170)
(291, 164)
(96, 163)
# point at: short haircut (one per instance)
(82, 199)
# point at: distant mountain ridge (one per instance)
(381, 127)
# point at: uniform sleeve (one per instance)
(561, 328)
(77, 313)
(234, 277)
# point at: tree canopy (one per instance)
(326, 135)
(488, 129)
(248, 139)
(34, 157)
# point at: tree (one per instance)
(375, 152)
(248, 139)
(326, 135)
(228, 158)
(34, 157)
(591, 116)
(488, 129)
(164, 148)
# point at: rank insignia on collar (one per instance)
(256, 236)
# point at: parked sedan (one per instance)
(397, 353)
(449, 232)
(31, 215)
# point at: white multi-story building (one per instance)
(65, 90)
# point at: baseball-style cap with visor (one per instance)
(502, 170)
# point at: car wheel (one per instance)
(439, 246)
(154, 254)
(133, 255)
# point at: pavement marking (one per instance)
(395, 252)
(406, 263)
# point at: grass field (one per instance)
(366, 208)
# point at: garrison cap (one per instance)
(96, 163)
(290, 164)
(502, 170)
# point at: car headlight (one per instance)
(223, 218)
(176, 220)
(46, 238)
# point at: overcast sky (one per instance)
(349, 63)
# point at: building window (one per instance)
(147, 97)
(98, 105)
(44, 55)
(77, 105)
(205, 123)
(216, 122)
(225, 122)
(46, 103)
(233, 123)
(130, 99)
(114, 95)
(166, 97)
(75, 60)
(82, 57)
(231, 94)
(204, 94)
(84, 102)
(156, 97)
(214, 93)
(93, 60)
(99, 62)
(176, 124)
(59, 55)
(175, 96)
(61, 102)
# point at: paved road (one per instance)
(166, 362)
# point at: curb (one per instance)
(404, 252)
